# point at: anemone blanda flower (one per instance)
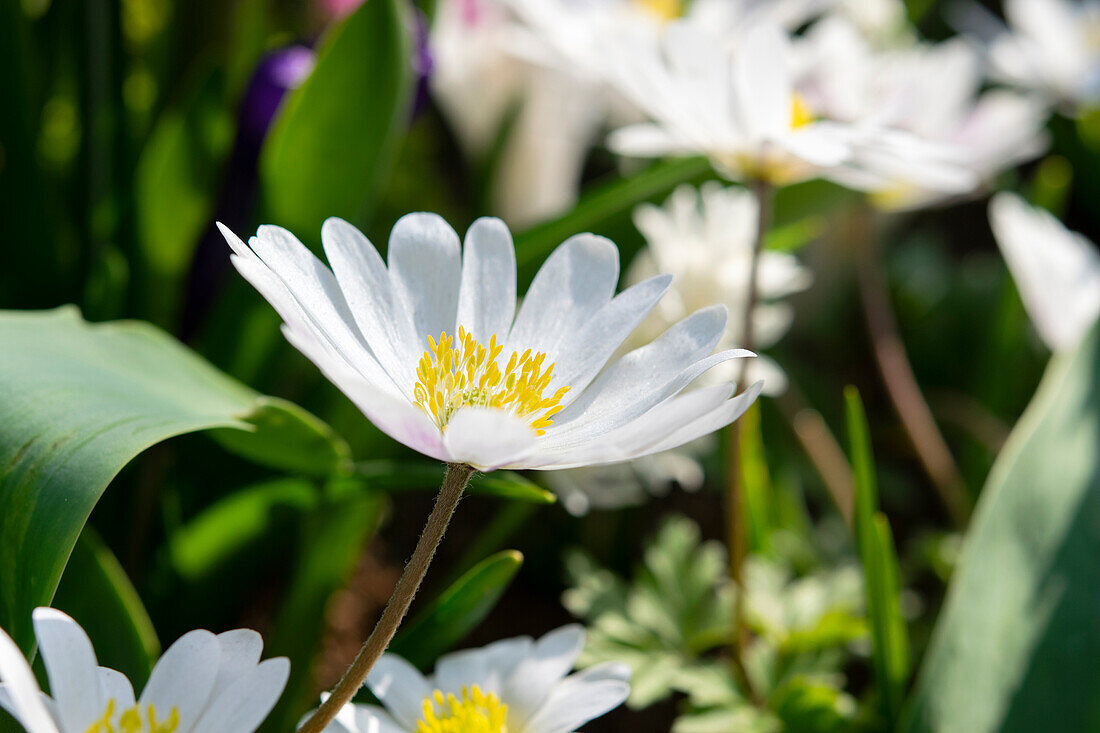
(735, 104)
(1057, 271)
(928, 132)
(435, 352)
(516, 685)
(204, 683)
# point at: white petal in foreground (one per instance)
(1056, 271)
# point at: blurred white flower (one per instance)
(926, 132)
(1049, 47)
(516, 685)
(1056, 271)
(704, 238)
(204, 683)
(435, 352)
(732, 100)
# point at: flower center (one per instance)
(131, 721)
(801, 114)
(474, 712)
(663, 9)
(465, 373)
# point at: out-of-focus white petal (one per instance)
(401, 688)
(541, 670)
(115, 686)
(184, 678)
(763, 82)
(22, 697)
(71, 666)
(240, 651)
(489, 666)
(1056, 271)
(582, 697)
(244, 704)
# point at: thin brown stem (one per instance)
(823, 450)
(735, 515)
(901, 385)
(454, 483)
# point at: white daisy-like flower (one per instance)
(1057, 271)
(204, 683)
(927, 132)
(1048, 47)
(435, 352)
(731, 100)
(705, 239)
(516, 685)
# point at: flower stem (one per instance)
(454, 483)
(735, 502)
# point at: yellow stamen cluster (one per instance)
(131, 721)
(663, 9)
(465, 373)
(474, 712)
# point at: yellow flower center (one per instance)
(663, 9)
(801, 114)
(474, 712)
(465, 373)
(131, 721)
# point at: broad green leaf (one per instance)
(175, 183)
(1017, 642)
(889, 637)
(330, 149)
(329, 545)
(97, 593)
(608, 201)
(458, 610)
(77, 402)
(398, 476)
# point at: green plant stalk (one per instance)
(454, 483)
(735, 502)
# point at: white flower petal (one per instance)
(535, 677)
(487, 296)
(648, 140)
(365, 283)
(488, 667)
(582, 697)
(373, 719)
(243, 705)
(400, 687)
(576, 280)
(115, 686)
(717, 419)
(71, 666)
(487, 439)
(585, 352)
(1056, 271)
(21, 696)
(425, 267)
(763, 82)
(402, 420)
(240, 651)
(184, 678)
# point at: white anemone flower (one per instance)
(1048, 47)
(204, 683)
(435, 352)
(731, 100)
(1057, 271)
(928, 133)
(516, 685)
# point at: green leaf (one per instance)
(331, 147)
(330, 544)
(1016, 644)
(605, 202)
(77, 402)
(175, 182)
(97, 593)
(889, 637)
(398, 476)
(755, 479)
(458, 610)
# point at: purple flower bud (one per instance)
(275, 75)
